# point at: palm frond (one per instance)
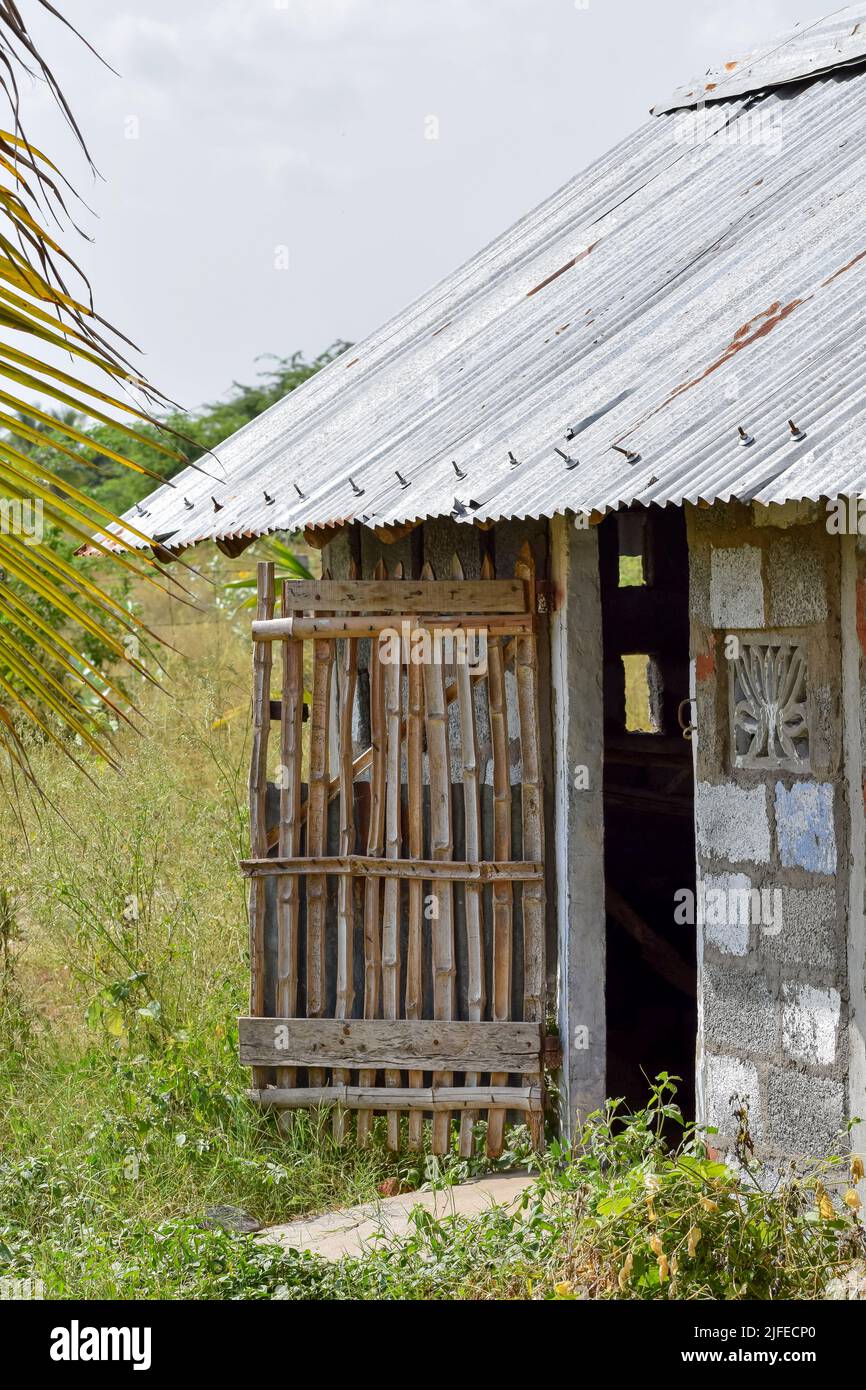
(55, 348)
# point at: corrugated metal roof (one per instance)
(706, 277)
(811, 49)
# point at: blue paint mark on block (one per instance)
(804, 827)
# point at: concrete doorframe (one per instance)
(578, 748)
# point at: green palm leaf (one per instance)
(50, 607)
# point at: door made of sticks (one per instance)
(397, 888)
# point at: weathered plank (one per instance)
(258, 788)
(406, 595)
(422, 1044)
(438, 1099)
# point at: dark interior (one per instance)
(648, 802)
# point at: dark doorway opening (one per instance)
(648, 802)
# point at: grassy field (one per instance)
(123, 966)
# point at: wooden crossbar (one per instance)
(412, 596)
(368, 866)
(437, 1099)
(299, 626)
(420, 1045)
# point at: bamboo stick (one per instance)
(374, 624)
(439, 1099)
(364, 866)
(393, 695)
(258, 791)
(289, 843)
(372, 924)
(415, 806)
(317, 831)
(502, 892)
(345, 995)
(441, 846)
(526, 673)
(473, 892)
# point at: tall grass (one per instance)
(123, 952)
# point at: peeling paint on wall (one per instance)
(804, 826)
(810, 1020)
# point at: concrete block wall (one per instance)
(773, 985)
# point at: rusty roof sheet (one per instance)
(809, 50)
(683, 321)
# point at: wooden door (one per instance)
(397, 957)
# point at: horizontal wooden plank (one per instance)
(421, 1045)
(408, 595)
(523, 1098)
(366, 866)
(301, 628)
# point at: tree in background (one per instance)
(196, 433)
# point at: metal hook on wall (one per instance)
(684, 718)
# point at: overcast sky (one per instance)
(270, 178)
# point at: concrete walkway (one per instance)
(340, 1233)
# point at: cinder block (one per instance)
(736, 587)
(732, 822)
(797, 584)
(804, 826)
(728, 1082)
(726, 905)
(740, 1013)
(809, 934)
(810, 1021)
(805, 1114)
